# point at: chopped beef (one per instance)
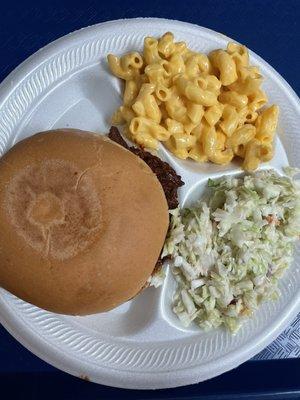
(115, 136)
(158, 266)
(166, 175)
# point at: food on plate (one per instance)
(167, 176)
(170, 182)
(228, 252)
(82, 220)
(203, 107)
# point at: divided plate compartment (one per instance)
(140, 344)
(196, 177)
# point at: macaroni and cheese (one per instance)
(203, 107)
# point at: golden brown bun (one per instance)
(82, 222)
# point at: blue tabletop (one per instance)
(271, 29)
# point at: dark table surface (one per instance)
(271, 29)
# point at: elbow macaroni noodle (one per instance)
(203, 107)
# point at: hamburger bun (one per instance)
(82, 222)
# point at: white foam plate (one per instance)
(140, 344)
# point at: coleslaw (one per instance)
(229, 252)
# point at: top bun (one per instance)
(82, 222)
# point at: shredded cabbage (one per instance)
(228, 253)
(157, 278)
